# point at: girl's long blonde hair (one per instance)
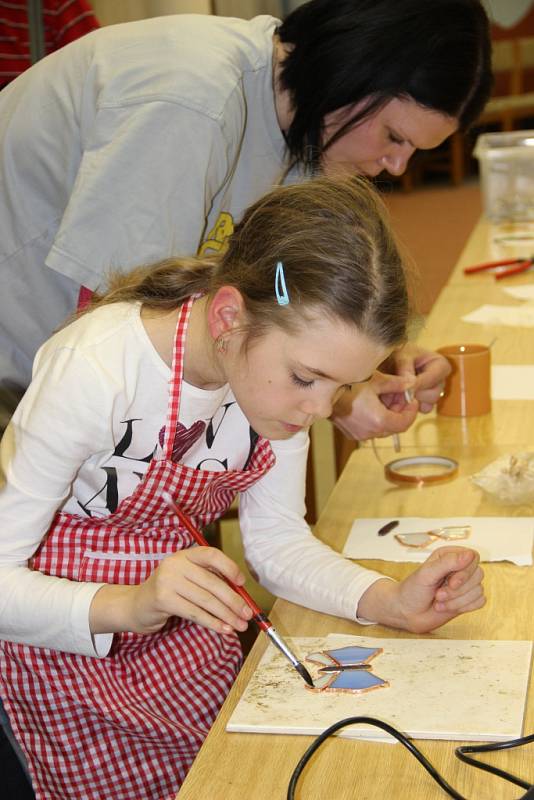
(339, 259)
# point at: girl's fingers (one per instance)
(222, 604)
(214, 585)
(460, 582)
(445, 564)
(200, 586)
(202, 617)
(467, 602)
(190, 584)
(214, 559)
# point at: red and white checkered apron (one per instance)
(127, 726)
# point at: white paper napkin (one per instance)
(495, 538)
(524, 292)
(512, 382)
(515, 316)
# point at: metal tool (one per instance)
(504, 268)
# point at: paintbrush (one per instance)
(261, 619)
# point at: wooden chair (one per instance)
(213, 533)
(510, 106)
(449, 159)
(513, 67)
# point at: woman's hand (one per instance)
(371, 409)
(187, 584)
(447, 584)
(379, 407)
(430, 370)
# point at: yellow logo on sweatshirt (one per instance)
(219, 235)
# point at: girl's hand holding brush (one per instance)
(189, 584)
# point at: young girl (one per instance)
(199, 378)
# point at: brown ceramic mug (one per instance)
(468, 387)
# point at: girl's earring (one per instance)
(220, 344)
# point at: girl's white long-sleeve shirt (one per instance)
(81, 440)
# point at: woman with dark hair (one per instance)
(148, 140)
(366, 55)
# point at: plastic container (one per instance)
(507, 175)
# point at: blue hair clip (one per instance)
(280, 288)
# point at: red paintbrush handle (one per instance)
(261, 619)
(259, 616)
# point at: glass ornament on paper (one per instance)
(421, 539)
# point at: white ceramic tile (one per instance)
(439, 689)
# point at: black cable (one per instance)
(379, 724)
(460, 752)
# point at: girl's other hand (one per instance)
(447, 584)
(188, 584)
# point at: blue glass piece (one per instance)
(356, 680)
(353, 654)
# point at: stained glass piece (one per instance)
(414, 539)
(322, 658)
(323, 680)
(356, 680)
(353, 654)
(455, 532)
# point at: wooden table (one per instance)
(486, 244)
(236, 766)
(511, 422)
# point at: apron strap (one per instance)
(177, 371)
(84, 298)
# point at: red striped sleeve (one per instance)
(63, 22)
